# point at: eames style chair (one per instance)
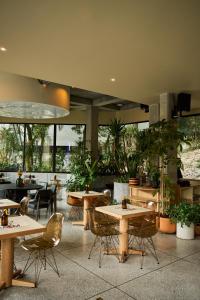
(38, 246)
(106, 235)
(23, 209)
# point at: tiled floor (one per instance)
(176, 277)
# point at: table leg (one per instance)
(123, 239)
(55, 203)
(7, 253)
(7, 261)
(85, 214)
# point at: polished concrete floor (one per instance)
(176, 277)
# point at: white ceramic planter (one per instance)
(120, 190)
(185, 232)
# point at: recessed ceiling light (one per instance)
(3, 49)
(112, 79)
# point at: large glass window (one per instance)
(68, 137)
(11, 146)
(39, 148)
(112, 140)
(190, 155)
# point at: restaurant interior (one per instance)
(100, 150)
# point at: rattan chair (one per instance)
(137, 221)
(140, 235)
(106, 235)
(38, 246)
(76, 208)
(104, 201)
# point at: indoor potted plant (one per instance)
(183, 214)
(83, 170)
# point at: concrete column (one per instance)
(166, 108)
(92, 131)
(154, 113)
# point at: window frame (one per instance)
(54, 144)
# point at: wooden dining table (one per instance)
(123, 215)
(8, 204)
(87, 199)
(17, 226)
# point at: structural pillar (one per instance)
(154, 113)
(166, 108)
(92, 131)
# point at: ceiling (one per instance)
(80, 99)
(149, 47)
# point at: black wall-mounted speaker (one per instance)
(184, 102)
(144, 107)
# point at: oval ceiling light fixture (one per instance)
(3, 49)
(113, 79)
(25, 98)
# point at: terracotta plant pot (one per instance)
(166, 226)
(134, 181)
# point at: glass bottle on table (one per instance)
(4, 218)
(124, 203)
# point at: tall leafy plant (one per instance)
(161, 142)
(83, 170)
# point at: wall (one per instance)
(132, 115)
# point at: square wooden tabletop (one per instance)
(6, 203)
(20, 226)
(119, 213)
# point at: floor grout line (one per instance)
(87, 269)
(150, 272)
(178, 256)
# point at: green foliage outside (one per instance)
(118, 153)
(38, 149)
(11, 147)
(36, 135)
(190, 126)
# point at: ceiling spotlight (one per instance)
(44, 83)
(112, 79)
(3, 49)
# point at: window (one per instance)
(11, 146)
(39, 148)
(114, 140)
(190, 155)
(68, 137)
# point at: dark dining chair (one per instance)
(53, 189)
(43, 199)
